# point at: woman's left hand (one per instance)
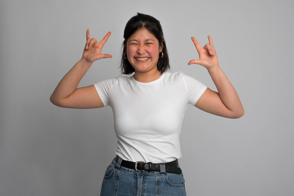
(207, 55)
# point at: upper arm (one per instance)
(210, 102)
(84, 97)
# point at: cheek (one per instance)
(131, 51)
(153, 50)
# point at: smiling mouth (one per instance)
(142, 59)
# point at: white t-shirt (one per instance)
(148, 116)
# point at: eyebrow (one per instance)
(149, 40)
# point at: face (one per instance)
(142, 49)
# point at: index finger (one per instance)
(210, 40)
(197, 45)
(105, 38)
(88, 34)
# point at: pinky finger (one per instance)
(210, 40)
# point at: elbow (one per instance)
(238, 114)
(54, 101)
(59, 102)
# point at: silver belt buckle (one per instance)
(137, 164)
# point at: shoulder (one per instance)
(186, 77)
(179, 76)
(173, 76)
(189, 81)
(124, 77)
(119, 78)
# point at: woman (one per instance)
(148, 105)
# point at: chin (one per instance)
(141, 69)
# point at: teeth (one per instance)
(142, 59)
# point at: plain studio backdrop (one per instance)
(50, 151)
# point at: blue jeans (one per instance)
(122, 181)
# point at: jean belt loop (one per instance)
(118, 163)
(162, 168)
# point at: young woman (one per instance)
(148, 103)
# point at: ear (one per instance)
(161, 46)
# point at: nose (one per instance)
(140, 49)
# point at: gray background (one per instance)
(46, 150)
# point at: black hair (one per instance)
(153, 26)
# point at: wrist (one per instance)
(85, 62)
(213, 69)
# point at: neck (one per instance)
(146, 76)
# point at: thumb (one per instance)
(194, 61)
(102, 56)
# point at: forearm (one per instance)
(226, 91)
(70, 81)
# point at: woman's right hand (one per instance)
(92, 50)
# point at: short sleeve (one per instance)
(103, 88)
(194, 88)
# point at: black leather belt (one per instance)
(170, 167)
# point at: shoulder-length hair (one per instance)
(153, 26)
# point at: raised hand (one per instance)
(92, 50)
(207, 55)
